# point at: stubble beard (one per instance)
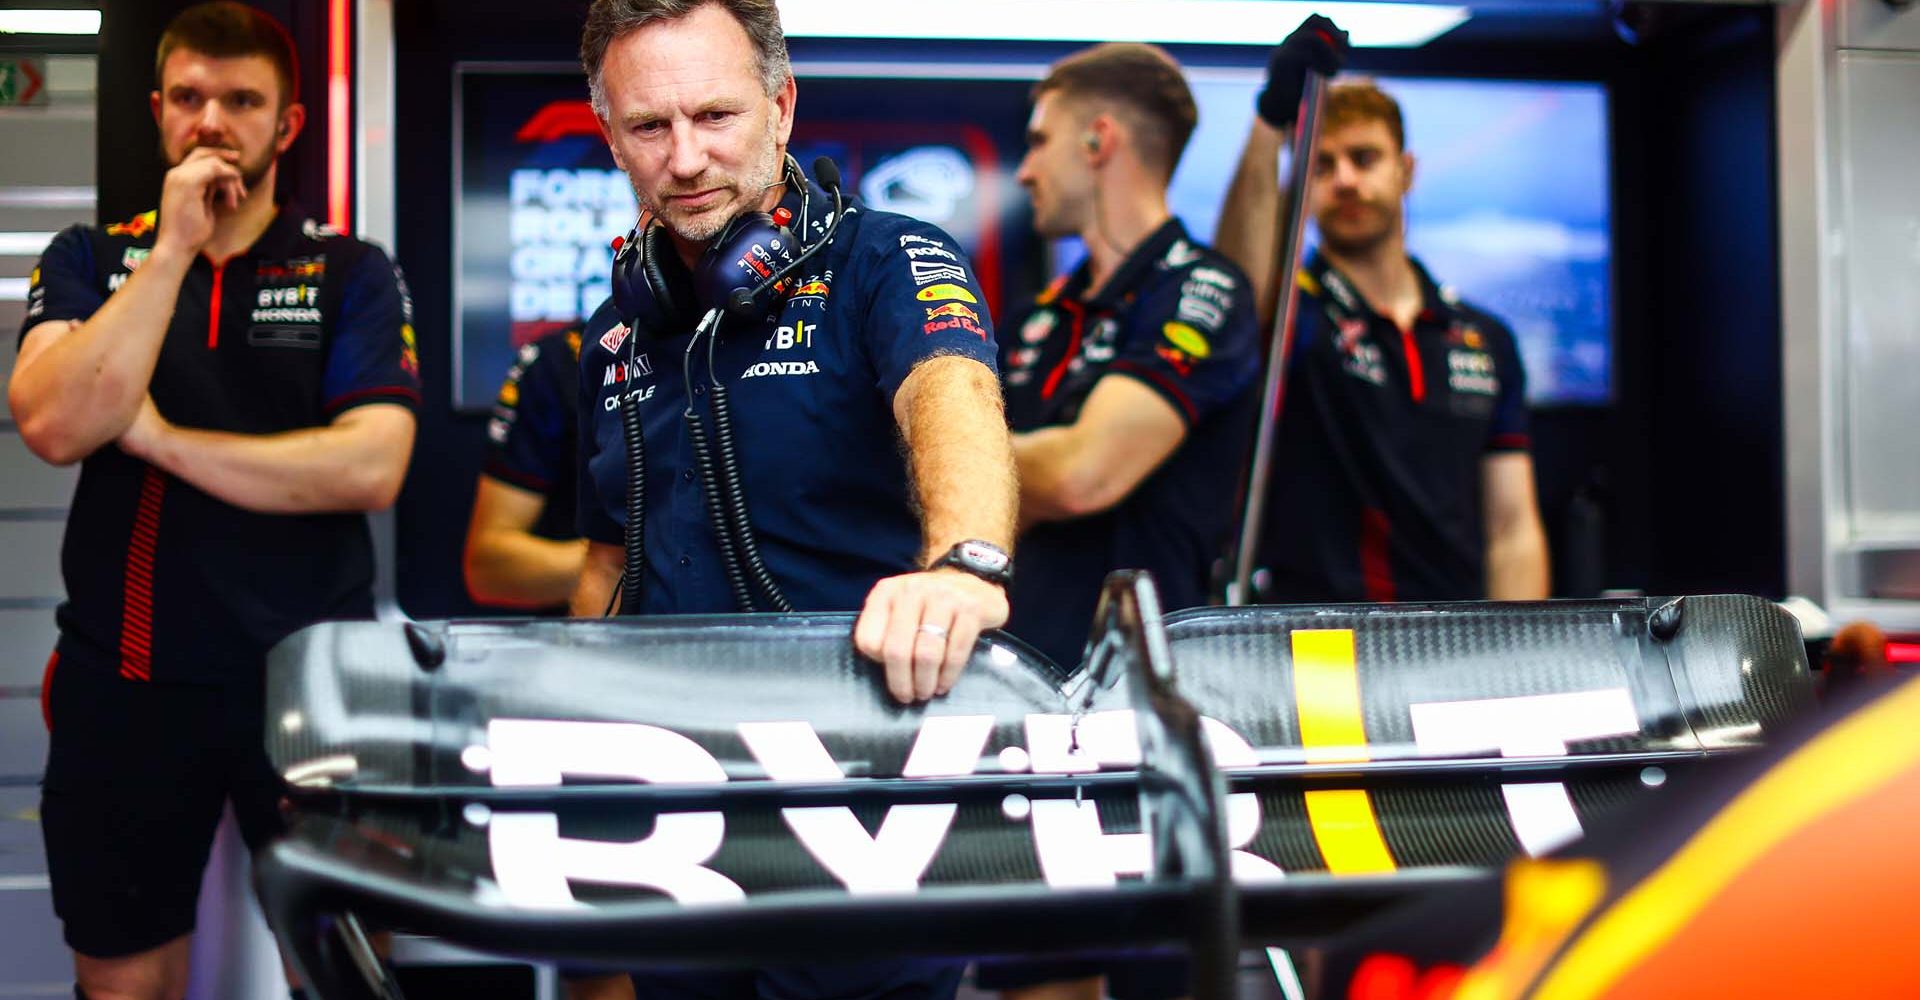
(1360, 242)
(704, 226)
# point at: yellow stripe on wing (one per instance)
(1326, 692)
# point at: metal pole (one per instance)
(1306, 133)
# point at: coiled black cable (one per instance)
(723, 529)
(736, 501)
(703, 461)
(633, 567)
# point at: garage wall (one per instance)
(1849, 136)
(39, 195)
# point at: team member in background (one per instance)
(1129, 385)
(1401, 470)
(1130, 391)
(238, 384)
(522, 548)
(873, 454)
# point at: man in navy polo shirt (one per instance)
(1401, 470)
(238, 385)
(872, 451)
(1130, 387)
(1130, 383)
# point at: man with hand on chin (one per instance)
(238, 385)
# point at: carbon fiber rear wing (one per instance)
(742, 790)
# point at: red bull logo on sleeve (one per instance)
(953, 309)
(136, 227)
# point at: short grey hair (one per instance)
(610, 19)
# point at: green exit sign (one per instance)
(23, 80)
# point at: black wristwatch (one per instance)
(985, 560)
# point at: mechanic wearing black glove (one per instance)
(1401, 471)
(1317, 44)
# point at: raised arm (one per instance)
(1249, 233)
(1250, 220)
(80, 379)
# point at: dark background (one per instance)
(1677, 487)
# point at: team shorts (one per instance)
(137, 774)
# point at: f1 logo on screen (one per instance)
(536, 866)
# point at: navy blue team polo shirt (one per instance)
(531, 442)
(811, 391)
(1178, 318)
(166, 582)
(1376, 475)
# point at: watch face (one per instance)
(984, 556)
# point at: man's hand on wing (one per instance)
(921, 627)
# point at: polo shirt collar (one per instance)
(1437, 303)
(1131, 272)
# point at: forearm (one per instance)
(1517, 563)
(1249, 230)
(82, 389)
(597, 579)
(1042, 459)
(519, 569)
(309, 471)
(961, 458)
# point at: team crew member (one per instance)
(522, 548)
(1401, 470)
(1130, 389)
(238, 384)
(1129, 384)
(872, 450)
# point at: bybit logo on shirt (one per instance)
(800, 334)
(293, 304)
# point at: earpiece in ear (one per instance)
(1092, 139)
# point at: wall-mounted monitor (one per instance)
(1510, 203)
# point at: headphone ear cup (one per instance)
(651, 286)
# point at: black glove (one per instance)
(1317, 44)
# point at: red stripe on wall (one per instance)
(136, 618)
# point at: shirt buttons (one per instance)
(699, 390)
(687, 475)
(686, 561)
